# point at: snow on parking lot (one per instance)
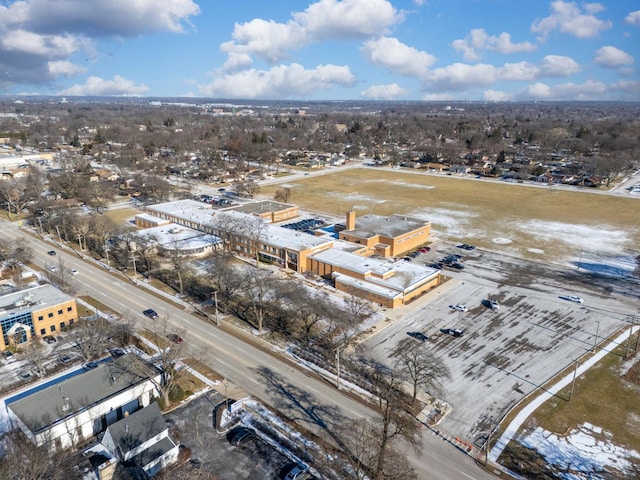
(508, 353)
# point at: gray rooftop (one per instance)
(404, 276)
(30, 299)
(67, 397)
(371, 225)
(202, 216)
(138, 427)
(173, 236)
(257, 208)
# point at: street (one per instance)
(311, 402)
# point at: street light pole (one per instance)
(337, 355)
(595, 340)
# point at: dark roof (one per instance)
(136, 428)
(70, 395)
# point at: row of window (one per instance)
(50, 314)
(52, 328)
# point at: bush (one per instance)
(176, 394)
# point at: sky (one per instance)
(430, 50)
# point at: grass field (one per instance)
(121, 215)
(548, 223)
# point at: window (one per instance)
(43, 331)
(71, 322)
(61, 325)
(59, 312)
(50, 315)
(69, 309)
(52, 328)
(41, 317)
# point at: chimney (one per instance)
(351, 219)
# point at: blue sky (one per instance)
(494, 50)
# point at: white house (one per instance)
(141, 439)
(70, 410)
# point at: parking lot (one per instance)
(192, 425)
(507, 352)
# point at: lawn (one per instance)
(122, 215)
(549, 223)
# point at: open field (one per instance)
(537, 222)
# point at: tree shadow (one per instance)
(298, 405)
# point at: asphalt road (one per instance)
(309, 401)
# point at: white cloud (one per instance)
(478, 39)
(459, 76)
(322, 20)
(437, 97)
(65, 68)
(266, 39)
(497, 96)
(567, 17)
(384, 92)
(419, 3)
(38, 37)
(558, 66)
(551, 66)
(633, 18)
(53, 46)
(589, 90)
(119, 86)
(103, 18)
(237, 61)
(612, 57)
(283, 81)
(397, 57)
(331, 19)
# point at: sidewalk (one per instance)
(512, 429)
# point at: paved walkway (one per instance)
(512, 429)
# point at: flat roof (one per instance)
(202, 216)
(177, 237)
(29, 299)
(266, 206)
(404, 275)
(370, 225)
(70, 395)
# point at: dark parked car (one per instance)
(90, 366)
(149, 312)
(418, 336)
(452, 331)
(117, 352)
(49, 339)
(51, 252)
(66, 359)
(294, 471)
(172, 337)
(240, 435)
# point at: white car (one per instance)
(494, 304)
(52, 268)
(460, 308)
(73, 271)
(575, 298)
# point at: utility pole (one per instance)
(573, 382)
(106, 252)
(595, 340)
(59, 237)
(135, 273)
(215, 297)
(80, 241)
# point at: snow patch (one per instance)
(502, 241)
(600, 238)
(584, 451)
(536, 250)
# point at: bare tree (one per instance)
(21, 460)
(259, 291)
(37, 355)
(91, 337)
(282, 194)
(422, 368)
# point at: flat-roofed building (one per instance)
(34, 312)
(385, 236)
(387, 283)
(68, 411)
